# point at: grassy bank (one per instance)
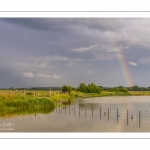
(41, 101)
(140, 93)
(104, 93)
(15, 104)
(28, 102)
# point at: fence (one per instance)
(129, 117)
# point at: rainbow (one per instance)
(123, 64)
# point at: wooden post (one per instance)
(85, 111)
(74, 110)
(79, 111)
(139, 119)
(65, 110)
(69, 110)
(34, 93)
(92, 111)
(127, 117)
(50, 93)
(117, 115)
(56, 110)
(24, 92)
(100, 112)
(61, 109)
(108, 114)
(16, 91)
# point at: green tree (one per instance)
(65, 88)
(90, 88)
(82, 87)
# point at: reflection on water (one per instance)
(26, 111)
(104, 114)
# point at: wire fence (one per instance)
(128, 117)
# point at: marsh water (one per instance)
(102, 114)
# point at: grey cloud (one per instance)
(144, 60)
(47, 47)
(32, 23)
(103, 24)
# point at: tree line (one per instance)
(133, 88)
(92, 88)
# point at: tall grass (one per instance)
(11, 103)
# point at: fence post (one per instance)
(127, 117)
(69, 110)
(108, 114)
(79, 110)
(74, 110)
(100, 112)
(65, 109)
(117, 115)
(139, 119)
(92, 111)
(85, 111)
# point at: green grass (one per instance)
(12, 103)
(140, 93)
(60, 97)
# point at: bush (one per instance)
(29, 93)
(90, 88)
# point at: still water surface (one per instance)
(103, 114)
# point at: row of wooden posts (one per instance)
(50, 92)
(60, 111)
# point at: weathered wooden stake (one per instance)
(16, 91)
(108, 114)
(117, 115)
(100, 112)
(69, 110)
(61, 109)
(79, 111)
(85, 111)
(127, 117)
(74, 110)
(56, 110)
(92, 111)
(65, 110)
(34, 93)
(139, 119)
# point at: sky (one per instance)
(47, 52)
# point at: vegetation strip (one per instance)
(44, 101)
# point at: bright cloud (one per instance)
(40, 75)
(55, 76)
(90, 72)
(133, 63)
(84, 49)
(28, 74)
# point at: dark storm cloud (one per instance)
(58, 24)
(32, 23)
(54, 51)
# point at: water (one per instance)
(86, 115)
